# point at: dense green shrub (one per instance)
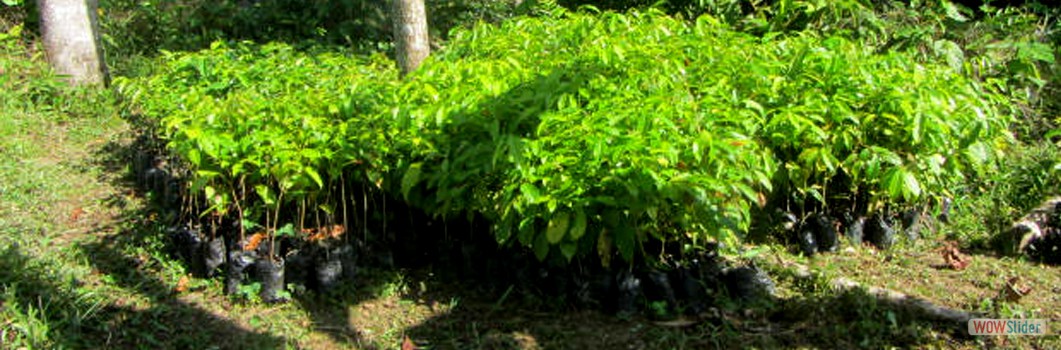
(577, 134)
(845, 17)
(583, 134)
(700, 114)
(258, 126)
(143, 27)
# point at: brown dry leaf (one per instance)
(953, 257)
(76, 214)
(337, 230)
(408, 344)
(322, 233)
(254, 241)
(1013, 291)
(182, 285)
(314, 235)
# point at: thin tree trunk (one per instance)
(410, 33)
(70, 31)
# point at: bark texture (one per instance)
(70, 31)
(410, 33)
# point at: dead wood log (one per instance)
(895, 299)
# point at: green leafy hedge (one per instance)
(584, 134)
(576, 134)
(259, 127)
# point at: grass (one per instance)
(918, 269)
(83, 264)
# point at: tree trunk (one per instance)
(70, 31)
(410, 33)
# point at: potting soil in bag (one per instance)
(659, 287)
(187, 243)
(854, 231)
(297, 268)
(348, 258)
(238, 261)
(271, 273)
(629, 294)
(328, 270)
(911, 220)
(213, 256)
(879, 232)
(691, 291)
(825, 234)
(748, 283)
(807, 245)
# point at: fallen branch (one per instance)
(896, 299)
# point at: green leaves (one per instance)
(902, 184)
(557, 227)
(287, 230)
(261, 117)
(541, 247)
(309, 171)
(410, 179)
(531, 194)
(625, 240)
(587, 134)
(587, 118)
(578, 228)
(265, 194)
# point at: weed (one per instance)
(988, 206)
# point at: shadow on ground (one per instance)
(79, 319)
(169, 322)
(808, 319)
